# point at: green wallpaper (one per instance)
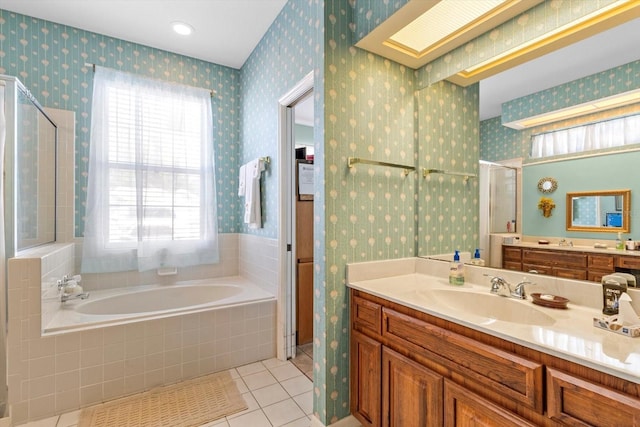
(449, 140)
(369, 210)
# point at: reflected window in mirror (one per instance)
(599, 211)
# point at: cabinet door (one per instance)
(365, 362)
(567, 273)
(576, 402)
(411, 393)
(304, 306)
(466, 409)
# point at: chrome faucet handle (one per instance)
(519, 290)
(499, 286)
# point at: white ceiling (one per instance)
(227, 31)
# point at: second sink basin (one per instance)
(489, 306)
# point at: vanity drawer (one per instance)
(511, 254)
(576, 402)
(601, 262)
(510, 375)
(629, 262)
(554, 258)
(366, 315)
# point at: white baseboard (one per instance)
(349, 421)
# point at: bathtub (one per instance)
(125, 305)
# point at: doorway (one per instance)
(295, 236)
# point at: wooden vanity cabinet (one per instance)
(567, 264)
(409, 369)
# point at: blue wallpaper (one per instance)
(49, 59)
(287, 53)
(371, 13)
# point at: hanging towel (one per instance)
(242, 179)
(252, 199)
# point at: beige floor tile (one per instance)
(283, 412)
(297, 385)
(269, 395)
(252, 419)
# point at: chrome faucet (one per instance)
(501, 287)
(66, 297)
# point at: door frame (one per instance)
(285, 339)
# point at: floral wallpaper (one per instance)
(49, 59)
(449, 140)
(369, 211)
(284, 56)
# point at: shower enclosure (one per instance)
(28, 139)
(498, 208)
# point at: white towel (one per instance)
(242, 179)
(252, 199)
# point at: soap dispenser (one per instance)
(456, 270)
(619, 242)
(476, 258)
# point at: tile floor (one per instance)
(276, 392)
(304, 359)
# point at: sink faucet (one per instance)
(501, 287)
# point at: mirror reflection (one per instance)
(498, 144)
(603, 211)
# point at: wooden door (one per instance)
(411, 393)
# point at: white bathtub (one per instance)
(125, 305)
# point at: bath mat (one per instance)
(189, 403)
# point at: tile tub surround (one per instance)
(571, 337)
(56, 374)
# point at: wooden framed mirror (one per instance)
(599, 211)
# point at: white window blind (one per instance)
(151, 197)
(595, 136)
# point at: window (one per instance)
(150, 199)
(595, 136)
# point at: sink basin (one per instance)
(488, 306)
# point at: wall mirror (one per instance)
(434, 239)
(599, 211)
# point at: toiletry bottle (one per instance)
(476, 258)
(619, 242)
(611, 292)
(456, 270)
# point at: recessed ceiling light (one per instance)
(182, 28)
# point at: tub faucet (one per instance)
(66, 297)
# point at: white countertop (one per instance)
(570, 336)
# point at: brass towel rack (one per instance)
(351, 161)
(426, 172)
